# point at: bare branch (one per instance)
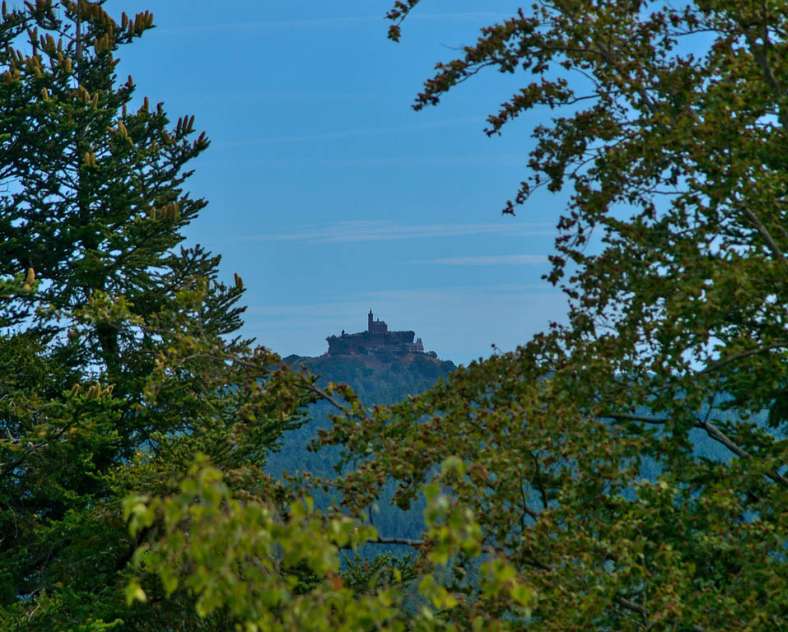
(398, 541)
(741, 356)
(713, 431)
(765, 234)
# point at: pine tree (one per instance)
(119, 357)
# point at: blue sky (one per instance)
(328, 194)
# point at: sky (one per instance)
(328, 194)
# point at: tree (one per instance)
(119, 357)
(630, 464)
(269, 571)
(125, 392)
(565, 483)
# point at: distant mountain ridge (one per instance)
(381, 366)
(377, 379)
(377, 339)
(386, 370)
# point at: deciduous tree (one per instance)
(631, 463)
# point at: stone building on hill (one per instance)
(377, 339)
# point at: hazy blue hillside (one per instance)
(388, 378)
(375, 379)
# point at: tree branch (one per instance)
(765, 234)
(398, 541)
(759, 53)
(711, 430)
(741, 356)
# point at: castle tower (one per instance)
(369, 321)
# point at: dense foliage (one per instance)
(118, 361)
(134, 422)
(670, 134)
(563, 485)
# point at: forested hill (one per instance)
(385, 379)
(375, 378)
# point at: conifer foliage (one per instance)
(623, 471)
(118, 357)
(134, 421)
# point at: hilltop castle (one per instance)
(376, 339)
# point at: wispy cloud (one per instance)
(341, 21)
(459, 16)
(495, 260)
(359, 302)
(326, 310)
(440, 295)
(363, 231)
(342, 134)
(458, 322)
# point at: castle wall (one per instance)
(376, 338)
(366, 342)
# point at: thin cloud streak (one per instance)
(443, 294)
(494, 260)
(405, 162)
(343, 232)
(359, 303)
(328, 22)
(348, 133)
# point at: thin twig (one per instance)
(741, 356)
(713, 431)
(765, 234)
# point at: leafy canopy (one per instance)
(624, 471)
(631, 463)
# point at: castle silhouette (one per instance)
(376, 339)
